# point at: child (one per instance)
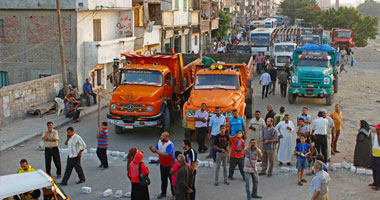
(236, 156)
(174, 170)
(302, 150)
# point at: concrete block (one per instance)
(259, 168)
(125, 157)
(333, 168)
(360, 171)
(353, 169)
(107, 193)
(211, 164)
(118, 194)
(206, 164)
(109, 152)
(64, 151)
(368, 172)
(122, 154)
(115, 153)
(293, 169)
(127, 194)
(152, 158)
(86, 190)
(201, 163)
(85, 151)
(285, 169)
(92, 150)
(337, 165)
(346, 165)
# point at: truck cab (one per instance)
(315, 73)
(224, 85)
(342, 38)
(148, 91)
(281, 51)
(310, 39)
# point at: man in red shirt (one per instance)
(165, 150)
(236, 156)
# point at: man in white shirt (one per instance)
(265, 81)
(330, 133)
(285, 150)
(201, 117)
(214, 129)
(75, 146)
(320, 131)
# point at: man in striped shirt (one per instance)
(102, 137)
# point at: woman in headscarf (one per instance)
(139, 192)
(131, 155)
(363, 148)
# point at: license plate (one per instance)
(111, 121)
(310, 85)
(309, 90)
(191, 126)
(129, 126)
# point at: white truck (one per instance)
(281, 51)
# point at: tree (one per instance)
(309, 14)
(365, 28)
(224, 24)
(290, 7)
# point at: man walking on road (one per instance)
(265, 81)
(269, 138)
(270, 113)
(252, 154)
(101, 151)
(337, 117)
(259, 62)
(255, 127)
(76, 146)
(320, 131)
(319, 184)
(283, 80)
(285, 150)
(222, 146)
(214, 129)
(51, 149)
(165, 150)
(273, 78)
(201, 117)
(191, 160)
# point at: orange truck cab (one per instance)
(149, 89)
(227, 85)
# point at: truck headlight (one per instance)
(149, 108)
(295, 79)
(113, 106)
(326, 80)
(190, 113)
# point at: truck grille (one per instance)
(311, 79)
(130, 107)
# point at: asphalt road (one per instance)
(344, 185)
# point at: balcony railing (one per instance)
(205, 25)
(194, 18)
(214, 24)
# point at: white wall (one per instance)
(181, 17)
(194, 47)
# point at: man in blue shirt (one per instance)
(237, 124)
(87, 90)
(214, 129)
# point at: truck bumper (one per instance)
(131, 122)
(188, 124)
(310, 92)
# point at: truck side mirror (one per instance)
(174, 81)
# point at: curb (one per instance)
(58, 124)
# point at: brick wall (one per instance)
(16, 99)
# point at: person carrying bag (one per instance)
(138, 173)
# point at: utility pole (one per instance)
(62, 50)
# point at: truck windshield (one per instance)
(310, 40)
(343, 34)
(216, 81)
(260, 39)
(141, 77)
(314, 63)
(281, 59)
(284, 48)
(243, 49)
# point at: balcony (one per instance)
(174, 18)
(144, 38)
(194, 18)
(82, 5)
(205, 25)
(102, 52)
(167, 18)
(214, 24)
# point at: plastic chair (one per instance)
(60, 105)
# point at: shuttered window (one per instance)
(184, 5)
(97, 24)
(176, 4)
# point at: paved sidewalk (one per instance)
(19, 131)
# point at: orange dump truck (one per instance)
(227, 86)
(149, 89)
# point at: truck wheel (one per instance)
(118, 129)
(249, 83)
(249, 96)
(248, 110)
(329, 99)
(291, 98)
(166, 121)
(335, 82)
(188, 133)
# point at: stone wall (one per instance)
(15, 100)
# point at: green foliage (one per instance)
(365, 27)
(224, 24)
(369, 8)
(309, 14)
(290, 7)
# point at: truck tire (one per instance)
(335, 82)
(249, 97)
(249, 111)
(329, 99)
(249, 83)
(291, 98)
(166, 121)
(188, 134)
(118, 130)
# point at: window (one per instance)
(4, 79)
(184, 5)
(167, 78)
(196, 40)
(1, 28)
(97, 25)
(176, 4)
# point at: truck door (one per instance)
(168, 87)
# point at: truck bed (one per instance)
(186, 58)
(232, 58)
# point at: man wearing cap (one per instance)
(375, 160)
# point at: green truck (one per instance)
(315, 73)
